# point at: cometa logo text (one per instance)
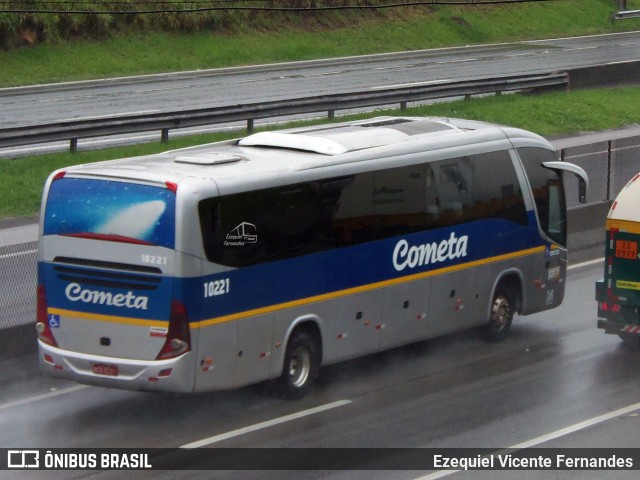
(412, 256)
(76, 293)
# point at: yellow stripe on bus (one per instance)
(363, 288)
(108, 318)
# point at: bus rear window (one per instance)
(111, 210)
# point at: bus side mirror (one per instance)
(581, 175)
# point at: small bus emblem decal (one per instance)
(241, 235)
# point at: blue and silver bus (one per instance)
(227, 264)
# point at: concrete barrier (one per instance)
(586, 231)
(608, 74)
(18, 341)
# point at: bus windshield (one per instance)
(109, 210)
(548, 192)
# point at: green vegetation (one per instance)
(550, 114)
(126, 45)
(76, 47)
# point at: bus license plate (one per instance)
(626, 249)
(104, 369)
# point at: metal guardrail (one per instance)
(626, 14)
(163, 122)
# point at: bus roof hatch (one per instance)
(327, 142)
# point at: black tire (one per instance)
(630, 340)
(502, 309)
(300, 368)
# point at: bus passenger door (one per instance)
(545, 283)
(550, 268)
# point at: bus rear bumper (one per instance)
(172, 375)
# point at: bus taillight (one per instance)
(178, 337)
(42, 321)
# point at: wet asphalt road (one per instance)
(555, 371)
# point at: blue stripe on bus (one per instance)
(286, 281)
(305, 277)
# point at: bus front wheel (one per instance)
(501, 316)
(300, 366)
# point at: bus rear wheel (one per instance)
(301, 363)
(501, 317)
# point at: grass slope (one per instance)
(549, 115)
(279, 38)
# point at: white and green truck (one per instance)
(618, 293)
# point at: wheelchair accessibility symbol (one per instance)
(54, 321)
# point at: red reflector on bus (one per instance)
(172, 186)
(59, 175)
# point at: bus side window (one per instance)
(398, 200)
(352, 219)
(496, 189)
(454, 184)
(431, 198)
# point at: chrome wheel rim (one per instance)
(299, 367)
(501, 312)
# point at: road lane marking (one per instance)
(44, 396)
(586, 264)
(266, 424)
(581, 48)
(413, 84)
(107, 116)
(548, 437)
(460, 60)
